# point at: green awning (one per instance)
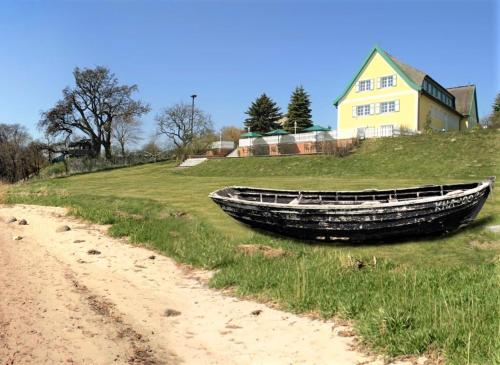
(251, 135)
(277, 132)
(316, 128)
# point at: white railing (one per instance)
(226, 145)
(361, 133)
(289, 138)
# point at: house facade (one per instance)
(389, 94)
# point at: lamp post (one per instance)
(251, 142)
(295, 127)
(192, 115)
(220, 141)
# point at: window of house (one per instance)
(363, 109)
(365, 85)
(388, 107)
(386, 81)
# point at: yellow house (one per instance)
(387, 94)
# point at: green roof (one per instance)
(251, 135)
(398, 66)
(315, 128)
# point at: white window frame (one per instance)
(386, 81)
(387, 107)
(365, 85)
(363, 110)
(391, 106)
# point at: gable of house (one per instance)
(466, 104)
(380, 95)
(377, 62)
(448, 109)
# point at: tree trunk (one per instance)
(95, 150)
(106, 143)
(107, 151)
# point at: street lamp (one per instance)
(220, 142)
(192, 114)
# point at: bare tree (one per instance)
(152, 149)
(126, 130)
(231, 133)
(182, 126)
(20, 157)
(91, 108)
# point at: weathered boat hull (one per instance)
(367, 221)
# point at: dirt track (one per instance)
(59, 304)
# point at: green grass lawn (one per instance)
(439, 295)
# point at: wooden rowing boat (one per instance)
(357, 215)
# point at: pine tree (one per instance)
(299, 110)
(263, 115)
(494, 119)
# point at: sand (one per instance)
(61, 305)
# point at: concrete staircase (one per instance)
(190, 162)
(234, 153)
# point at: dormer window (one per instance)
(365, 85)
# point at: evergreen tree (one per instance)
(262, 115)
(494, 120)
(299, 110)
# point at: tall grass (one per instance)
(438, 296)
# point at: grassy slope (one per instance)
(440, 294)
(442, 156)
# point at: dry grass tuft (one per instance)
(485, 245)
(267, 251)
(3, 190)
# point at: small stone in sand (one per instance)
(63, 229)
(171, 313)
(11, 220)
(78, 241)
(93, 252)
(152, 257)
(23, 222)
(17, 238)
(256, 312)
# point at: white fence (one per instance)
(225, 145)
(361, 133)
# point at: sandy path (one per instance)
(58, 304)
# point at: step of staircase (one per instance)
(190, 162)
(234, 153)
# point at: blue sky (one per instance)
(228, 52)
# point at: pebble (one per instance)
(93, 252)
(23, 222)
(256, 312)
(171, 313)
(63, 229)
(152, 257)
(17, 238)
(11, 220)
(78, 241)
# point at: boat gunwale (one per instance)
(366, 204)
